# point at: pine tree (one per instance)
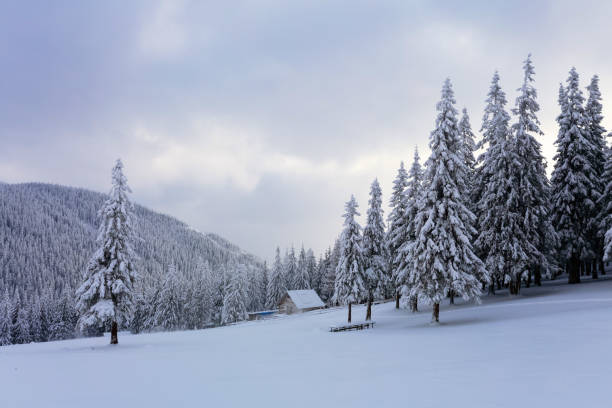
(350, 280)
(265, 280)
(276, 286)
(529, 178)
(301, 279)
(168, 302)
(412, 197)
(290, 269)
(469, 146)
(596, 134)
(573, 179)
(328, 276)
(375, 254)
(105, 297)
(5, 323)
(442, 253)
(605, 225)
(396, 225)
(234, 300)
(502, 239)
(312, 271)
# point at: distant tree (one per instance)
(596, 135)
(396, 225)
(442, 253)
(312, 271)
(412, 197)
(234, 300)
(606, 207)
(375, 253)
(265, 279)
(290, 269)
(350, 280)
(301, 279)
(469, 147)
(276, 285)
(169, 302)
(5, 323)
(105, 297)
(573, 179)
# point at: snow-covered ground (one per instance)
(548, 348)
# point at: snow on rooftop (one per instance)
(305, 299)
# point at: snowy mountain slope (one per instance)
(48, 232)
(547, 347)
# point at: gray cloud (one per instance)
(258, 120)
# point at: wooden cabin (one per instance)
(300, 301)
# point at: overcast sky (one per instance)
(258, 119)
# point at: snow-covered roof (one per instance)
(305, 299)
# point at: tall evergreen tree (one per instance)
(290, 269)
(573, 179)
(469, 146)
(312, 271)
(396, 225)
(529, 178)
(502, 239)
(605, 217)
(105, 297)
(596, 133)
(276, 285)
(375, 254)
(442, 253)
(168, 303)
(301, 279)
(412, 197)
(350, 280)
(5, 325)
(235, 298)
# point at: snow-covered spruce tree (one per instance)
(328, 278)
(105, 297)
(606, 206)
(375, 254)
(396, 221)
(235, 298)
(596, 133)
(442, 253)
(265, 280)
(5, 323)
(412, 197)
(313, 271)
(572, 179)
(301, 279)
(350, 275)
(290, 269)
(168, 302)
(469, 146)
(530, 179)
(276, 285)
(502, 237)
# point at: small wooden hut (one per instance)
(300, 301)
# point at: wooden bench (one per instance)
(356, 326)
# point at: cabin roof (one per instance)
(305, 299)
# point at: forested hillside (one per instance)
(48, 234)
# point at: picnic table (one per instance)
(349, 327)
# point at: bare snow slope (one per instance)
(549, 347)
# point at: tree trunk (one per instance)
(369, 310)
(537, 275)
(349, 316)
(492, 288)
(435, 315)
(114, 339)
(451, 295)
(414, 304)
(594, 270)
(397, 298)
(602, 267)
(573, 269)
